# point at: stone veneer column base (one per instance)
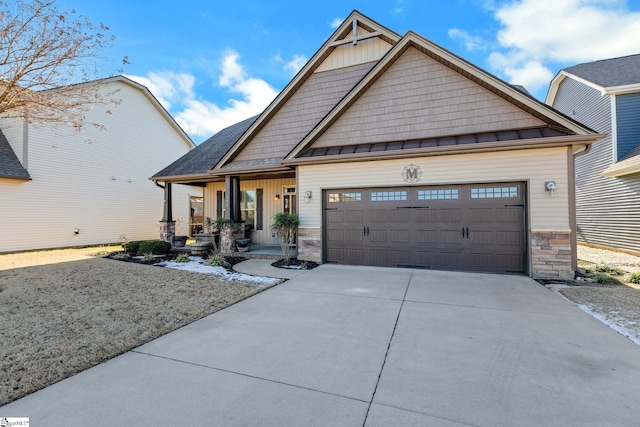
(551, 255)
(167, 231)
(310, 244)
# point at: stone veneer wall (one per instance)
(167, 231)
(551, 255)
(310, 244)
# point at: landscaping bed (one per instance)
(60, 319)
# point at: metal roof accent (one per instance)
(507, 135)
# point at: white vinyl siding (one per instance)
(532, 166)
(270, 206)
(94, 180)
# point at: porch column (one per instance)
(232, 202)
(167, 224)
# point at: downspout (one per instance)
(572, 205)
(167, 214)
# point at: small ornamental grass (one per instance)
(217, 261)
(182, 258)
(635, 278)
(605, 268)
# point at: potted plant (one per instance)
(179, 240)
(285, 225)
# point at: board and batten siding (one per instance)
(347, 55)
(607, 209)
(94, 180)
(534, 167)
(417, 97)
(270, 206)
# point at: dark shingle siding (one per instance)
(609, 72)
(10, 166)
(206, 155)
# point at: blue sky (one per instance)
(214, 63)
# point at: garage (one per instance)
(478, 227)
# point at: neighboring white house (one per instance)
(61, 187)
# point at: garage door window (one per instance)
(344, 197)
(439, 194)
(385, 196)
(494, 192)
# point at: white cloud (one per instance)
(569, 30)
(295, 64)
(398, 7)
(470, 42)
(335, 22)
(536, 35)
(199, 117)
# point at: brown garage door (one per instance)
(458, 227)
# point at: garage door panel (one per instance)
(400, 236)
(426, 236)
(354, 216)
(480, 215)
(379, 236)
(425, 215)
(449, 215)
(398, 215)
(508, 215)
(378, 216)
(509, 238)
(384, 256)
(334, 216)
(450, 237)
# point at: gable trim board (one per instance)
(345, 148)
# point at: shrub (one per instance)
(217, 261)
(132, 247)
(148, 256)
(182, 258)
(285, 226)
(120, 255)
(635, 277)
(155, 247)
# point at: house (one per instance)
(393, 151)
(62, 187)
(605, 95)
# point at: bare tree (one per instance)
(44, 53)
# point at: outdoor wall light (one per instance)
(307, 194)
(76, 230)
(277, 198)
(551, 187)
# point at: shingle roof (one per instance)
(10, 166)
(609, 72)
(206, 155)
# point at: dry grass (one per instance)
(60, 319)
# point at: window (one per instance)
(344, 197)
(383, 196)
(494, 192)
(248, 207)
(439, 194)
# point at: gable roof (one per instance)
(337, 39)
(491, 83)
(200, 160)
(10, 166)
(610, 76)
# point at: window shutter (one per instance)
(219, 204)
(259, 209)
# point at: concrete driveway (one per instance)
(354, 346)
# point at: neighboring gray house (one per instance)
(605, 95)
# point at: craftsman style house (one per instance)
(393, 151)
(605, 95)
(62, 187)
